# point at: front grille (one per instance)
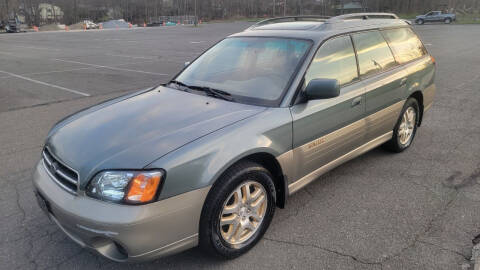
(64, 176)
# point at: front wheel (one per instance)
(406, 127)
(448, 20)
(420, 21)
(238, 210)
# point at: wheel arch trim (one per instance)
(272, 162)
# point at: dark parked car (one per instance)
(436, 16)
(155, 24)
(12, 26)
(206, 158)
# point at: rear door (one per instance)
(409, 51)
(385, 83)
(324, 130)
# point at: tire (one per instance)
(214, 238)
(420, 21)
(400, 141)
(448, 20)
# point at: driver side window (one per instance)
(334, 60)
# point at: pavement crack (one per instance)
(466, 257)
(308, 192)
(465, 182)
(354, 258)
(428, 227)
(29, 251)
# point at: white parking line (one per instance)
(37, 48)
(13, 55)
(129, 56)
(46, 84)
(113, 68)
(56, 71)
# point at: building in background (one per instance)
(48, 13)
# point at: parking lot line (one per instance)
(46, 84)
(113, 68)
(38, 48)
(130, 56)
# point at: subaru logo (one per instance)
(54, 166)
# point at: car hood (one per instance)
(130, 133)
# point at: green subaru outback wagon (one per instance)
(206, 158)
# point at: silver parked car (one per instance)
(205, 159)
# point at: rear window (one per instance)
(405, 44)
(374, 55)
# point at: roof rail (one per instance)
(302, 18)
(363, 16)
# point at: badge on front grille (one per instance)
(54, 166)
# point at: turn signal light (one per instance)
(143, 188)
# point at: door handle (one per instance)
(356, 101)
(403, 81)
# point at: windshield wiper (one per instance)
(179, 83)
(213, 92)
(208, 90)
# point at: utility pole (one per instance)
(285, 8)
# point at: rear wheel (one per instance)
(448, 20)
(406, 127)
(238, 210)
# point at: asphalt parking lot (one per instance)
(415, 210)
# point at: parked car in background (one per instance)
(90, 25)
(436, 16)
(12, 26)
(206, 158)
(155, 24)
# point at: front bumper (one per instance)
(122, 232)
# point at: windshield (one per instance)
(253, 70)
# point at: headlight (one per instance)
(130, 187)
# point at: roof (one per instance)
(290, 26)
(317, 28)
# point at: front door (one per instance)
(324, 130)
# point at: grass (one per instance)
(468, 19)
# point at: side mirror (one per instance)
(187, 64)
(322, 89)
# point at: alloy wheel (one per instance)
(243, 213)
(407, 126)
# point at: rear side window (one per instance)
(334, 60)
(374, 55)
(405, 44)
